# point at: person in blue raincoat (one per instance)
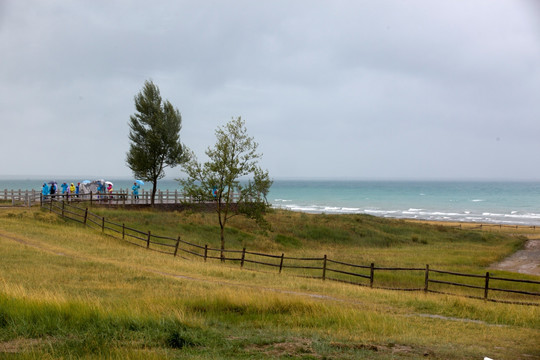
(45, 190)
(135, 188)
(64, 187)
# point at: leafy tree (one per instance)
(155, 136)
(222, 179)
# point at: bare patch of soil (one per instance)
(389, 348)
(18, 345)
(525, 261)
(292, 347)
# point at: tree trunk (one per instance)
(154, 188)
(222, 243)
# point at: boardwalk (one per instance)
(119, 198)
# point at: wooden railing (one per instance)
(122, 197)
(126, 198)
(426, 279)
(19, 197)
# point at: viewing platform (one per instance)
(116, 198)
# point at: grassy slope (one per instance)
(66, 291)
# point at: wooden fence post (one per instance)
(123, 231)
(243, 257)
(281, 262)
(85, 216)
(63, 207)
(324, 268)
(205, 252)
(371, 274)
(426, 280)
(486, 288)
(176, 247)
(41, 200)
(148, 240)
(91, 198)
(103, 224)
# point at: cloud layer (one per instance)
(358, 89)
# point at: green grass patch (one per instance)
(67, 291)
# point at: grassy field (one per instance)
(70, 292)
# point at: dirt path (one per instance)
(526, 261)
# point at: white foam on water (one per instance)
(513, 217)
(351, 209)
(497, 203)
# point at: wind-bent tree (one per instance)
(231, 178)
(155, 136)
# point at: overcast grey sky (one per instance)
(383, 89)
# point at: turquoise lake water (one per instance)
(473, 201)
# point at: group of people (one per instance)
(66, 189)
(105, 188)
(72, 189)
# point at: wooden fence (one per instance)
(125, 198)
(19, 197)
(425, 279)
(121, 197)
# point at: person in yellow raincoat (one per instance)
(72, 189)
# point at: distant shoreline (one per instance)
(493, 202)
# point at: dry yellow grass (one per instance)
(243, 313)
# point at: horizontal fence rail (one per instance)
(122, 197)
(126, 198)
(19, 197)
(426, 279)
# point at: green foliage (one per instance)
(233, 158)
(287, 241)
(81, 330)
(325, 234)
(181, 337)
(154, 135)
